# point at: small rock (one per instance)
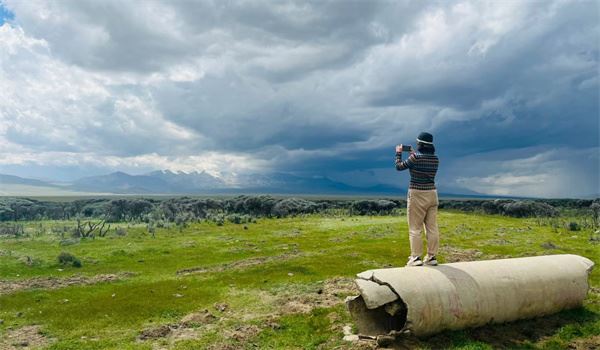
(1, 321)
(19, 314)
(221, 307)
(24, 343)
(351, 337)
(290, 273)
(177, 295)
(113, 295)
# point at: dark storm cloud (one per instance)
(313, 87)
(144, 36)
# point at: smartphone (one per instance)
(406, 148)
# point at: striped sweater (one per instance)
(422, 167)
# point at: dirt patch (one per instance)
(155, 333)
(452, 254)
(7, 287)
(333, 292)
(592, 343)
(28, 337)
(243, 332)
(197, 319)
(240, 264)
(187, 328)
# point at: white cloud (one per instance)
(525, 172)
(46, 104)
(217, 164)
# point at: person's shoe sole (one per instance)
(420, 263)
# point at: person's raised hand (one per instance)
(399, 149)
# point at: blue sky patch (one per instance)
(5, 15)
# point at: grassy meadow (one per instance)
(273, 283)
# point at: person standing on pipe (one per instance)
(422, 200)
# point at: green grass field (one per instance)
(276, 283)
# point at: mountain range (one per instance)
(168, 182)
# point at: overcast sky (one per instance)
(509, 89)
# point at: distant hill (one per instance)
(188, 182)
(199, 183)
(15, 180)
(167, 182)
(120, 182)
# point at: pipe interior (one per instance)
(382, 320)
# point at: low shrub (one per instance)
(66, 258)
(294, 206)
(13, 230)
(372, 207)
(519, 209)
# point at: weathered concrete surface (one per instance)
(426, 300)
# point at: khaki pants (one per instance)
(422, 210)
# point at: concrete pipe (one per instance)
(427, 300)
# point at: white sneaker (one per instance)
(430, 260)
(414, 261)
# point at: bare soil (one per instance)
(8, 286)
(333, 292)
(198, 319)
(240, 264)
(28, 337)
(186, 328)
(592, 343)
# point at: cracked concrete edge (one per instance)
(365, 275)
(375, 294)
